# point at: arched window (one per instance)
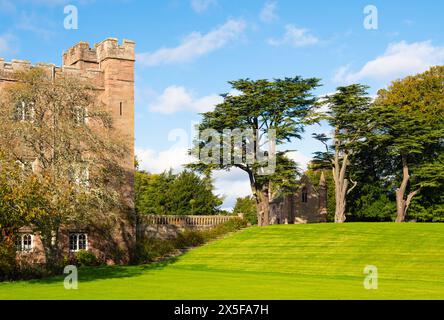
(304, 195)
(24, 242)
(78, 241)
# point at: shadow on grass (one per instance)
(87, 274)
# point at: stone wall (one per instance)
(168, 227)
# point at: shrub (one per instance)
(189, 238)
(8, 265)
(149, 249)
(246, 206)
(87, 259)
(83, 258)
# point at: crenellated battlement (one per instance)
(80, 56)
(14, 65)
(83, 56)
(110, 49)
(8, 69)
(84, 61)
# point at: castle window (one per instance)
(78, 241)
(24, 242)
(80, 175)
(24, 111)
(304, 195)
(80, 116)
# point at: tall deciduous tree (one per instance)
(283, 105)
(348, 109)
(409, 118)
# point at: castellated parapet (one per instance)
(83, 56)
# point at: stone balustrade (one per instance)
(186, 221)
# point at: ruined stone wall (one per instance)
(307, 205)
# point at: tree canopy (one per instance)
(185, 193)
(279, 109)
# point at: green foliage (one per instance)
(86, 258)
(82, 258)
(149, 249)
(189, 239)
(403, 128)
(373, 205)
(168, 194)
(408, 130)
(21, 198)
(190, 194)
(247, 206)
(225, 228)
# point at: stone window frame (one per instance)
(304, 195)
(24, 112)
(75, 242)
(24, 242)
(80, 116)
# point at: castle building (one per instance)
(109, 67)
(307, 205)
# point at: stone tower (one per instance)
(109, 67)
(114, 79)
(114, 68)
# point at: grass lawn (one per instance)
(324, 261)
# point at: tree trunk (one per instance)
(262, 207)
(262, 201)
(341, 187)
(403, 203)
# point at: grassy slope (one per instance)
(280, 262)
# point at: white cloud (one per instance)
(232, 185)
(202, 5)
(159, 161)
(177, 98)
(195, 45)
(6, 44)
(268, 13)
(297, 37)
(399, 60)
(301, 159)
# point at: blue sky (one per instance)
(189, 49)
